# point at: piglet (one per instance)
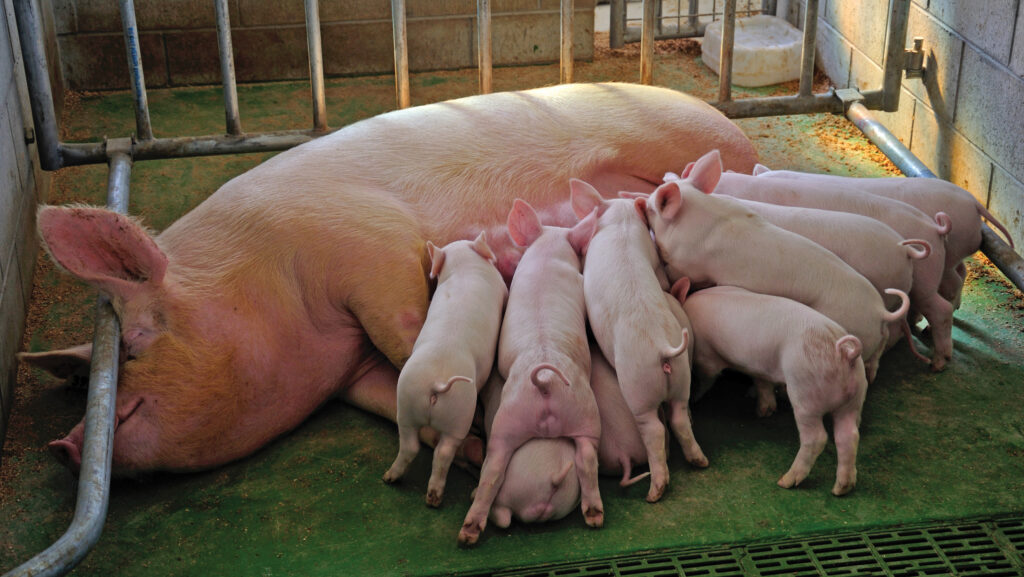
(621, 446)
(817, 360)
(451, 358)
(545, 360)
(712, 239)
(540, 480)
(635, 328)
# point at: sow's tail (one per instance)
(670, 353)
(545, 386)
(443, 387)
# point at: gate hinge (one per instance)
(913, 60)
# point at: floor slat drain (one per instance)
(992, 547)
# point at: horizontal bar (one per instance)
(780, 105)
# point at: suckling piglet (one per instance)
(452, 357)
(635, 328)
(545, 359)
(778, 340)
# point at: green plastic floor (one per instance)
(941, 456)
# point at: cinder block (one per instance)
(942, 62)
(193, 57)
(64, 12)
(6, 58)
(988, 111)
(949, 155)
(438, 44)
(865, 74)
(863, 23)
(1017, 57)
(99, 61)
(1007, 202)
(10, 194)
(533, 38)
(833, 54)
(988, 24)
(270, 54)
(150, 15)
(358, 48)
(901, 123)
(435, 8)
(263, 13)
(14, 129)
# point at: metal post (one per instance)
(617, 24)
(899, 16)
(131, 40)
(316, 64)
(725, 54)
(97, 450)
(401, 53)
(33, 52)
(692, 10)
(647, 41)
(1001, 255)
(483, 44)
(807, 56)
(565, 54)
(227, 69)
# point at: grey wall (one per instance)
(22, 187)
(965, 119)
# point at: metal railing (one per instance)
(120, 153)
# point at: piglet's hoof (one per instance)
(469, 535)
(656, 493)
(434, 499)
(594, 517)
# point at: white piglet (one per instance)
(452, 357)
(635, 328)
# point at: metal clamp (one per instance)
(848, 96)
(913, 60)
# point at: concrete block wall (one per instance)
(178, 38)
(963, 119)
(22, 186)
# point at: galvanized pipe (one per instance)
(401, 53)
(617, 23)
(143, 127)
(1006, 260)
(97, 450)
(232, 119)
(316, 64)
(33, 52)
(565, 51)
(484, 53)
(780, 105)
(807, 56)
(647, 41)
(725, 54)
(895, 45)
(692, 10)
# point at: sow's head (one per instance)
(175, 405)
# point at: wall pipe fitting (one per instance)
(101, 407)
(992, 245)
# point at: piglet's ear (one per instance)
(584, 197)
(482, 248)
(436, 259)
(760, 169)
(107, 250)
(668, 200)
(640, 204)
(523, 223)
(706, 172)
(580, 235)
(680, 289)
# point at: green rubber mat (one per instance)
(993, 548)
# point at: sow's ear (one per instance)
(63, 364)
(523, 223)
(107, 250)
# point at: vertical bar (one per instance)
(807, 56)
(485, 55)
(316, 64)
(692, 11)
(565, 54)
(617, 24)
(899, 15)
(131, 41)
(725, 63)
(33, 51)
(98, 443)
(647, 41)
(401, 53)
(227, 69)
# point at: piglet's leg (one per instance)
(408, 447)
(812, 442)
(847, 436)
(652, 431)
(682, 426)
(444, 454)
(491, 477)
(939, 314)
(586, 470)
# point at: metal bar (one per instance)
(227, 69)
(1006, 260)
(485, 55)
(807, 56)
(647, 41)
(725, 54)
(94, 478)
(33, 51)
(565, 52)
(401, 53)
(780, 105)
(143, 127)
(692, 10)
(316, 64)
(892, 65)
(617, 24)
